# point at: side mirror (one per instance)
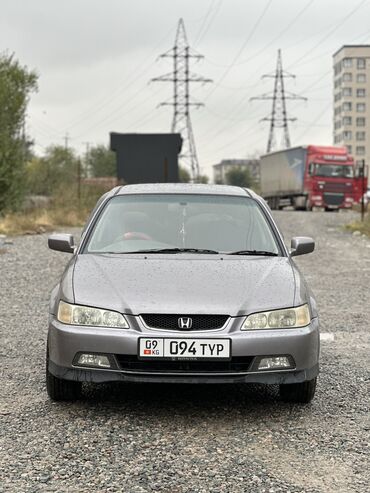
(300, 245)
(61, 243)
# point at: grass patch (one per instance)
(64, 210)
(41, 220)
(362, 226)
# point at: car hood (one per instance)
(183, 284)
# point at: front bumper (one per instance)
(64, 342)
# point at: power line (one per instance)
(110, 96)
(327, 35)
(181, 77)
(329, 52)
(206, 26)
(116, 113)
(241, 49)
(273, 41)
(313, 123)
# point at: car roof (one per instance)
(180, 188)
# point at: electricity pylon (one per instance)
(279, 117)
(181, 77)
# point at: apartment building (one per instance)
(352, 100)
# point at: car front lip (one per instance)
(66, 341)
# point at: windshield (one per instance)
(133, 223)
(333, 170)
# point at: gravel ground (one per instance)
(177, 439)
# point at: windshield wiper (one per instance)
(254, 252)
(175, 250)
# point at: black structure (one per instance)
(181, 77)
(279, 117)
(146, 158)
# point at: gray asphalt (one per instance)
(178, 439)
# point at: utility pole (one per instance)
(279, 117)
(24, 141)
(181, 77)
(87, 159)
(363, 190)
(66, 140)
(79, 182)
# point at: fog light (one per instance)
(96, 360)
(274, 363)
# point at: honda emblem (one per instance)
(185, 323)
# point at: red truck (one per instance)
(310, 176)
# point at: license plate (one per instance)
(159, 347)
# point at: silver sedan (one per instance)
(183, 284)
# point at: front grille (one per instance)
(237, 364)
(337, 187)
(171, 322)
(333, 198)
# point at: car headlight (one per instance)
(86, 315)
(278, 319)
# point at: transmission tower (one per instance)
(279, 117)
(181, 77)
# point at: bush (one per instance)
(66, 209)
(240, 177)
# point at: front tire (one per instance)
(61, 390)
(308, 205)
(302, 392)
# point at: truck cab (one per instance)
(329, 179)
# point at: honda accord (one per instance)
(182, 283)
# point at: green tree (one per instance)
(184, 175)
(16, 85)
(57, 168)
(202, 179)
(101, 161)
(239, 176)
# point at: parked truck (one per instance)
(309, 176)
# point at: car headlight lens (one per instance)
(278, 319)
(86, 315)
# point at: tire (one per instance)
(308, 205)
(62, 390)
(274, 203)
(301, 207)
(298, 392)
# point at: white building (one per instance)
(351, 100)
(220, 169)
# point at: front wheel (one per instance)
(308, 205)
(302, 392)
(61, 390)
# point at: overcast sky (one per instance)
(95, 59)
